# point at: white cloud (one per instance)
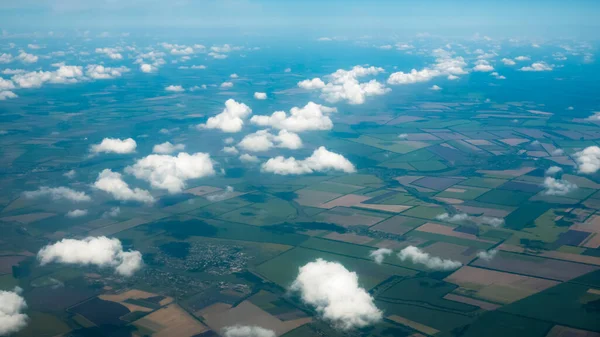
(6, 84)
(76, 213)
(167, 148)
(311, 117)
(113, 212)
(231, 119)
(487, 255)
(99, 251)
(335, 293)
(260, 95)
(594, 117)
(287, 70)
(146, 68)
(508, 62)
(234, 76)
(58, 193)
(315, 83)
(380, 254)
(112, 53)
(63, 75)
(182, 51)
(538, 66)
(6, 58)
(114, 145)
(112, 183)
(491, 221)
(12, 305)
(175, 88)
(13, 71)
(588, 160)
(222, 195)
(171, 172)
(198, 67)
(416, 255)
(555, 186)
(320, 161)
(100, 72)
(445, 65)
(262, 140)
(552, 170)
(453, 218)
(497, 76)
(248, 158)
(247, 331)
(27, 58)
(557, 152)
(483, 66)
(217, 56)
(4, 95)
(226, 85)
(343, 85)
(230, 150)
(435, 88)
(70, 174)
(226, 48)
(522, 58)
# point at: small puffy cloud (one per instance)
(555, 186)
(487, 255)
(287, 70)
(228, 140)
(260, 95)
(490, 221)
(234, 76)
(6, 84)
(226, 85)
(343, 85)
(522, 58)
(198, 67)
(112, 53)
(588, 160)
(416, 255)
(58, 193)
(100, 72)
(111, 213)
(538, 66)
(557, 152)
(6, 58)
(248, 158)
(445, 65)
(380, 254)
(230, 150)
(114, 145)
(182, 51)
(435, 88)
(4, 95)
(172, 172)
(335, 293)
(415, 76)
(508, 62)
(175, 88)
(226, 48)
(453, 218)
(12, 306)
(320, 161)
(311, 117)
(595, 117)
(231, 119)
(262, 140)
(27, 58)
(225, 194)
(498, 76)
(70, 174)
(63, 75)
(247, 331)
(315, 83)
(217, 56)
(146, 68)
(552, 170)
(98, 251)
(76, 213)
(112, 183)
(483, 66)
(167, 148)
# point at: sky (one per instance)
(575, 18)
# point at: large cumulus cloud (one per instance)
(336, 295)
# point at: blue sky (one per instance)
(312, 17)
